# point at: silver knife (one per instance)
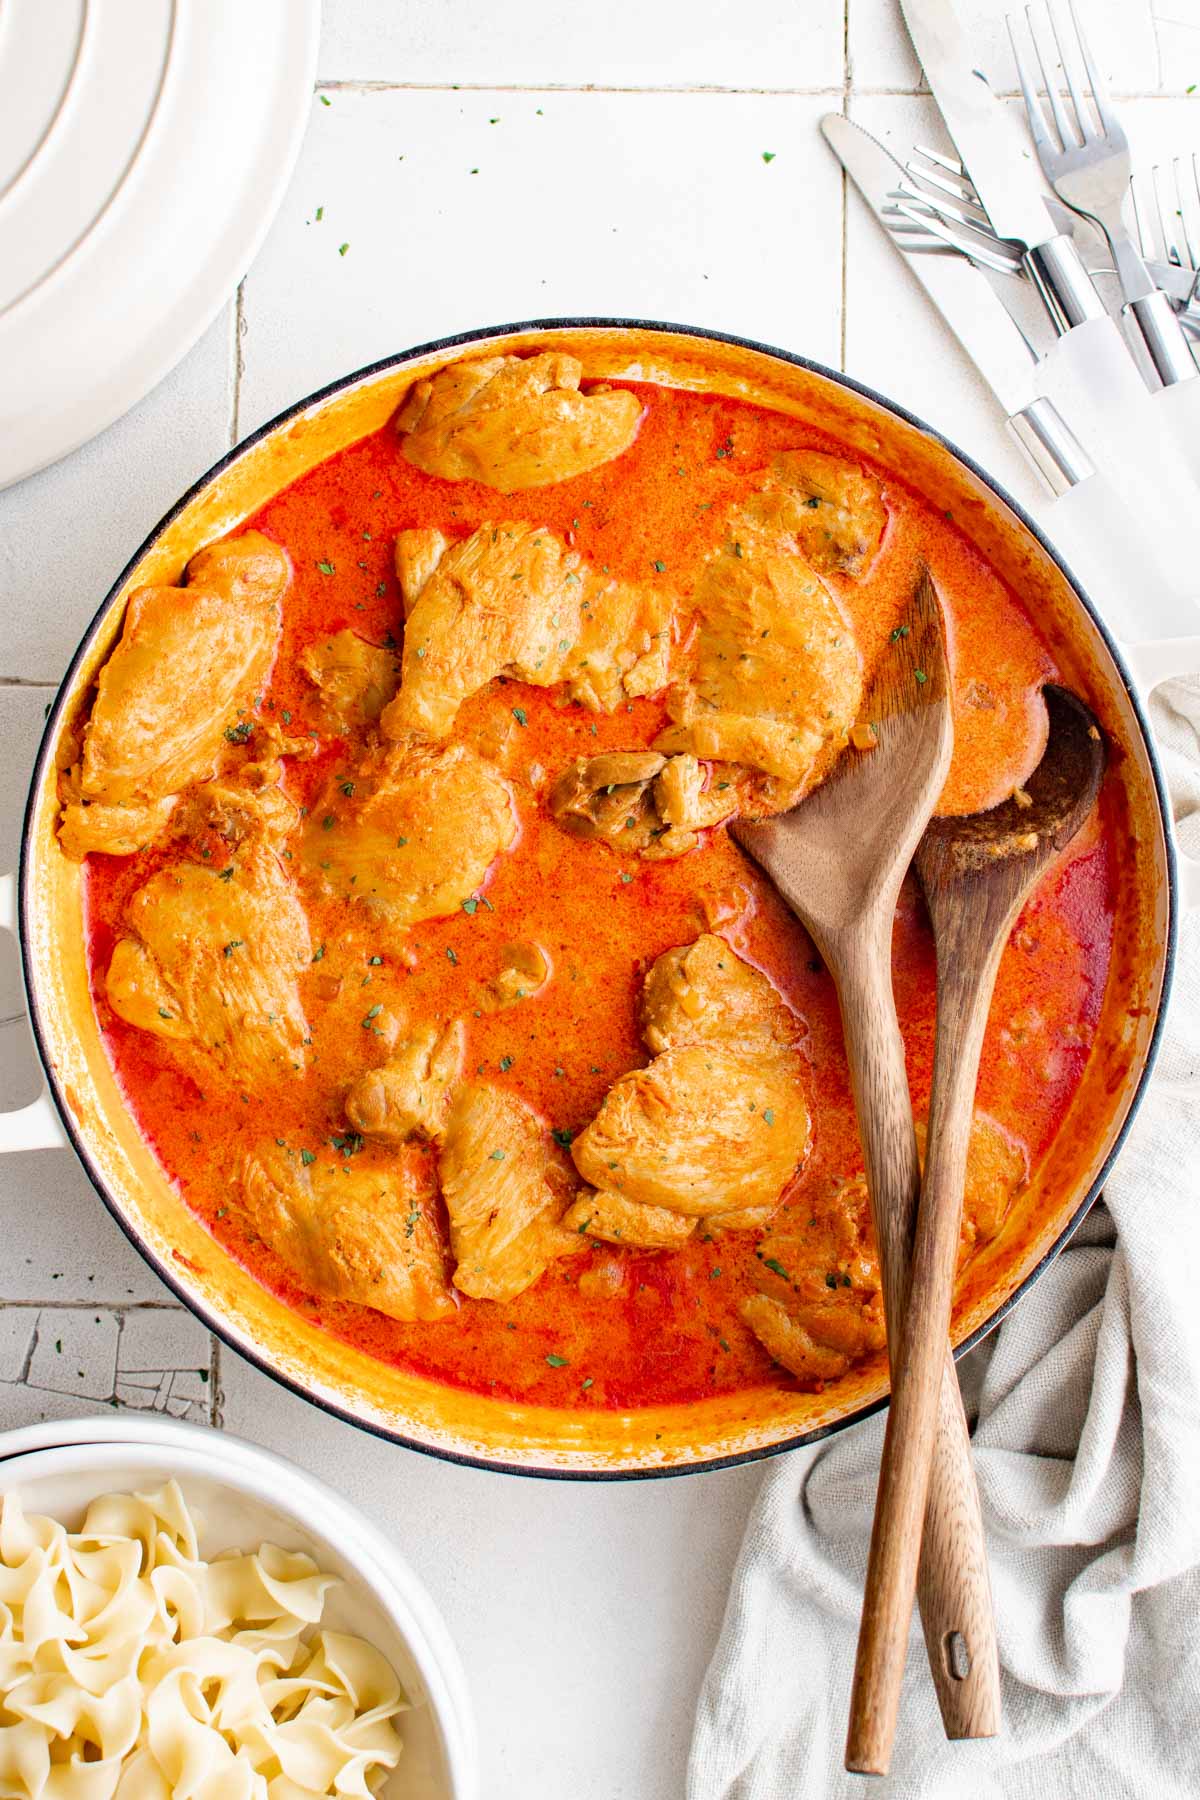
(998, 158)
(974, 314)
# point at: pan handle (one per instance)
(36, 1126)
(1151, 663)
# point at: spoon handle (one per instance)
(954, 1590)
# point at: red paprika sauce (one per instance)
(616, 1327)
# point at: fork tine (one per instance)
(1191, 244)
(1072, 132)
(948, 166)
(1141, 216)
(1167, 214)
(1100, 96)
(1083, 126)
(1043, 142)
(976, 246)
(949, 197)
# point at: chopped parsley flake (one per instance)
(558, 1362)
(308, 1157)
(586, 1383)
(921, 676)
(496, 1156)
(163, 1013)
(225, 874)
(451, 956)
(562, 1136)
(232, 945)
(519, 715)
(768, 156)
(899, 632)
(777, 1268)
(661, 567)
(768, 1116)
(342, 249)
(318, 953)
(373, 1014)
(471, 906)
(326, 568)
(506, 1063)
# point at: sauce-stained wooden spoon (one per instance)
(838, 859)
(977, 872)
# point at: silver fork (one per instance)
(1169, 226)
(1089, 170)
(936, 211)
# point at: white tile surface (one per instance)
(626, 43)
(585, 1613)
(635, 205)
(66, 534)
(1122, 35)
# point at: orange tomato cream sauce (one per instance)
(614, 1326)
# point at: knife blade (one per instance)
(965, 299)
(987, 137)
(999, 160)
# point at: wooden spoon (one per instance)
(838, 859)
(977, 873)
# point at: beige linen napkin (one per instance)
(1087, 1447)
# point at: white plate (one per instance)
(245, 1495)
(144, 150)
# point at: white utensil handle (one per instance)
(1091, 378)
(1129, 572)
(1178, 408)
(36, 1126)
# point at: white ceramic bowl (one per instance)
(242, 1496)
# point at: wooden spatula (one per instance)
(977, 873)
(839, 859)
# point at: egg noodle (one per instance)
(130, 1666)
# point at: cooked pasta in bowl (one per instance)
(168, 1626)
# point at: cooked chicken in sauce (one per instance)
(174, 694)
(514, 422)
(214, 958)
(409, 832)
(416, 932)
(367, 1233)
(506, 1189)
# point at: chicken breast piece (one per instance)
(167, 699)
(775, 676)
(214, 959)
(832, 509)
(705, 1129)
(619, 1221)
(411, 833)
(506, 600)
(514, 422)
(513, 600)
(506, 1190)
(703, 992)
(354, 680)
(784, 1337)
(822, 1306)
(370, 1236)
(410, 1095)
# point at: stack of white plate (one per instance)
(244, 1496)
(144, 149)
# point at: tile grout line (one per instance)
(828, 90)
(847, 78)
(97, 1304)
(239, 363)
